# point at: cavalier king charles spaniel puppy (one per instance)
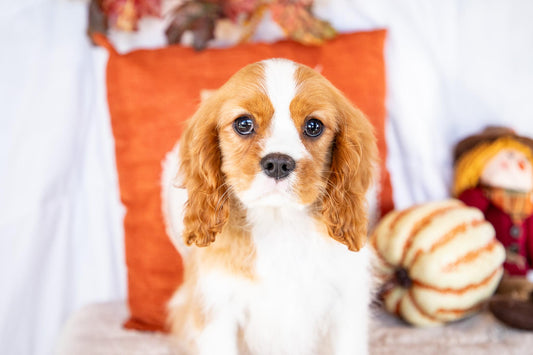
(264, 197)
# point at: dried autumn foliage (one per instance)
(199, 17)
(293, 16)
(299, 23)
(124, 14)
(120, 14)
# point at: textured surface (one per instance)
(479, 334)
(97, 330)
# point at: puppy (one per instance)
(268, 213)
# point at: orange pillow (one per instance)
(151, 93)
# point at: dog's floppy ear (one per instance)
(206, 212)
(354, 153)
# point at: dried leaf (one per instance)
(198, 17)
(203, 31)
(235, 9)
(148, 7)
(300, 25)
(294, 17)
(250, 24)
(125, 14)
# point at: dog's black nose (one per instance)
(277, 165)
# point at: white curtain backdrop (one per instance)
(453, 67)
(61, 236)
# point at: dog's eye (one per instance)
(244, 125)
(313, 128)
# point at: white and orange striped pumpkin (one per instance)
(438, 261)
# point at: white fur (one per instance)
(307, 281)
(283, 137)
(280, 86)
(310, 294)
(173, 199)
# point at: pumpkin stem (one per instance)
(401, 278)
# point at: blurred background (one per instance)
(453, 67)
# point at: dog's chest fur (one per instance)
(300, 275)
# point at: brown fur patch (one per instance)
(233, 253)
(243, 95)
(215, 159)
(343, 155)
(313, 100)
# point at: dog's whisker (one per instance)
(224, 198)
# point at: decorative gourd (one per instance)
(438, 261)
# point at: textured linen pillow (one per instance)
(152, 92)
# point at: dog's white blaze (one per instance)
(281, 87)
(282, 137)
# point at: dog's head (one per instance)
(277, 135)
